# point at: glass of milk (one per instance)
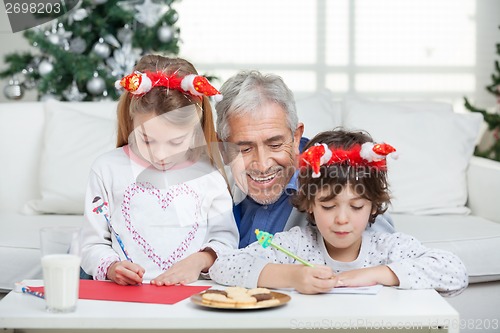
(60, 247)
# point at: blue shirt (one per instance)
(250, 215)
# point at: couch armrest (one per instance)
(483, 182)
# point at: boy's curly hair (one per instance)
(368, 183)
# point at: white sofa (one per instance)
(441, 195)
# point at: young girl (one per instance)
(342, 187)
(156, 207)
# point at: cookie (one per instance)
(258, 291)
(262, 297)
(269, 302)
(244, 301)
(216, 291)
(236, 290)
(218, 300)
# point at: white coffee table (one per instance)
(390, 309)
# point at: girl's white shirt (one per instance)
(160, 216)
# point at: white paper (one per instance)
(369, 290)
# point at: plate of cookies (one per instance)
(240, 298)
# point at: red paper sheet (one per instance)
(145, 293)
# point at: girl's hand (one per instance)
(125, 272)
(368, 277)
(313, 280)
(187, 270)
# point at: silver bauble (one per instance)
(45, 67)
(78, 45)
(125, 34)
(174, 18)
(13, 90)
(96, 85)
(102, 49)
(165, 34)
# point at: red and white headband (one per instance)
(369, 154)
(139, 83)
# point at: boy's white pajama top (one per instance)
(416, 266)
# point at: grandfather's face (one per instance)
(268, 149)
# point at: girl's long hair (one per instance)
(161, 100)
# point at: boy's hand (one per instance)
(314, 280)
(125, 273)
(187, 270)
(368, 277)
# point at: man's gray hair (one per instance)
(245, 92)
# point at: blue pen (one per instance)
(101, 206)
(118, 238)
(20, 287)
(27, 290)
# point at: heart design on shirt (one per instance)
(177, 192)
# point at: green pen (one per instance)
(265, 239)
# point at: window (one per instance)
(382, 48)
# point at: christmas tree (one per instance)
(83, 53)
(492, 117)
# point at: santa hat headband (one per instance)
(369, 154)
(139, 83)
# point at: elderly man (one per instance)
(257, 115)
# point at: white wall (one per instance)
(487, 20)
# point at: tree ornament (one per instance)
(165, 33)
(99, 2)
(45, 68)
(53, 39)
(149, 13)
(58, 35)
(102, 49)
(78, 45)
(111, 40)
(174, 17)
(125, 34)
(73, 93)
(96, 85)
(13, 90)
(28, 82)
(78, 14)
(123, 60)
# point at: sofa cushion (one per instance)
(20, 244)
(21, 130)
(74, 135)
(474, 239)
(434, 147)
